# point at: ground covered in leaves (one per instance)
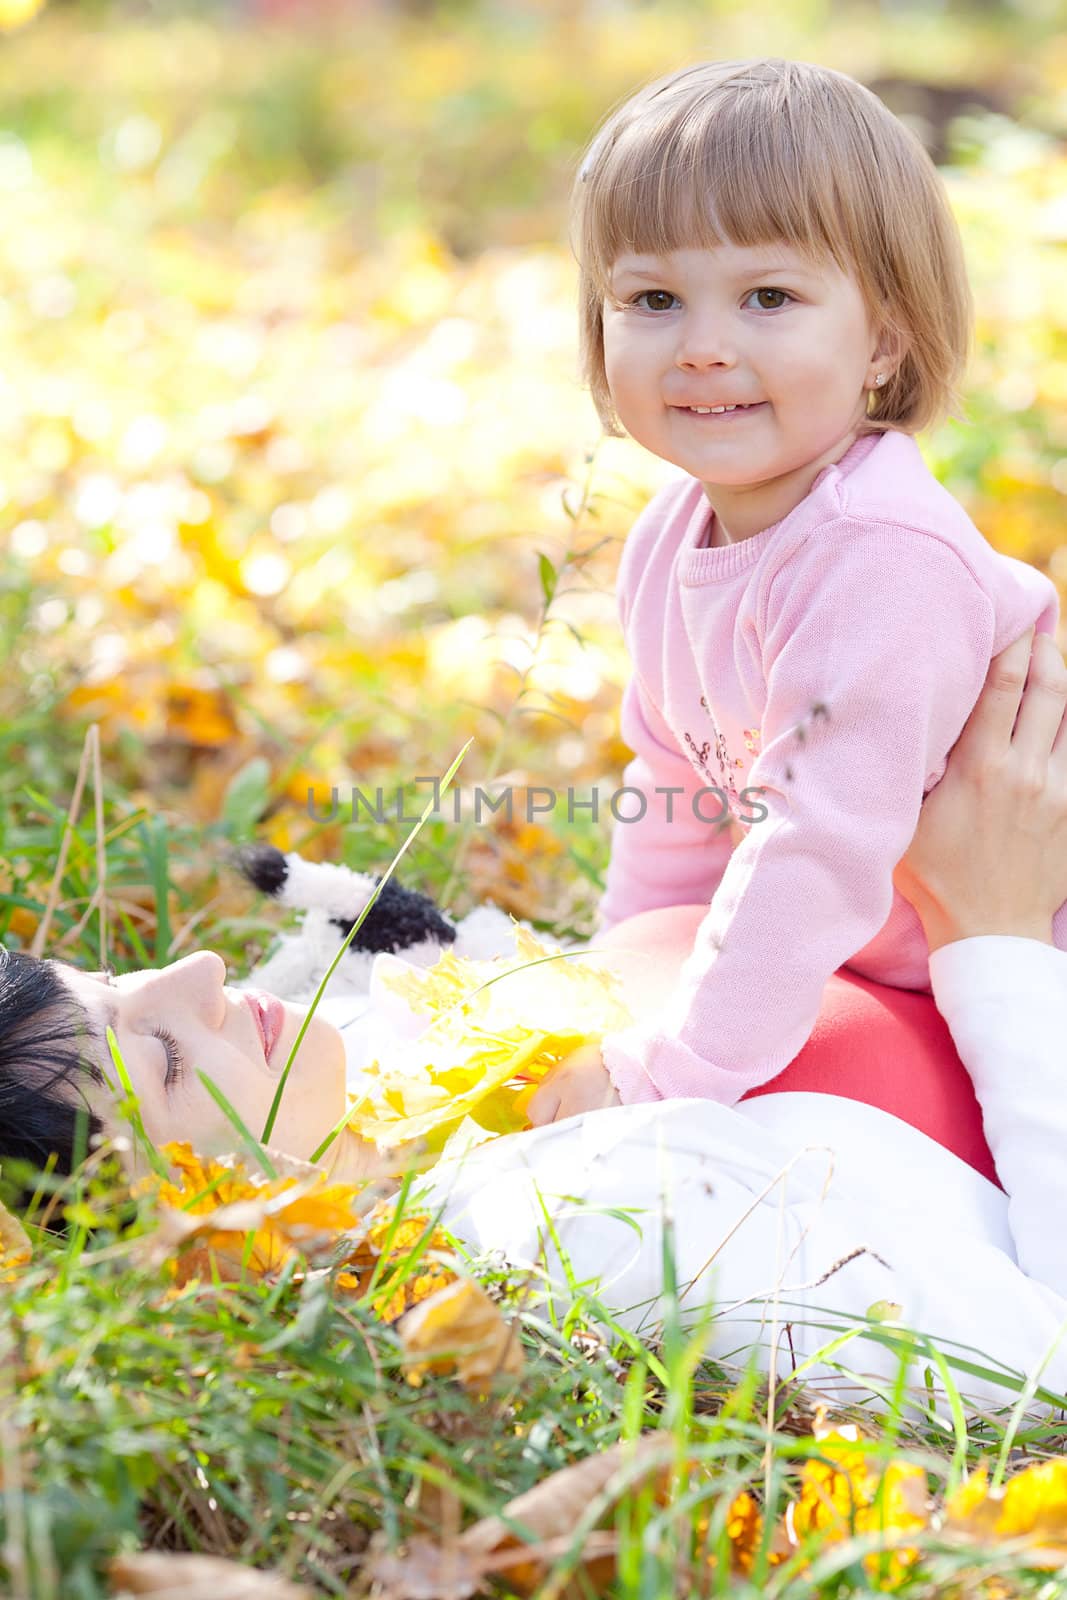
(299, 492)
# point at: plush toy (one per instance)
(401, 921)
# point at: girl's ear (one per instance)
(893, 345)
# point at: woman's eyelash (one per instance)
(175, 1064)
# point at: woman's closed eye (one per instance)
(669, 296)
(175, 1061)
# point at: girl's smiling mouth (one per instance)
(704, 415)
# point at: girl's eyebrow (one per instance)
(760, 269)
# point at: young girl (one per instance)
(810, 614)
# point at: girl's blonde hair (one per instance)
(752, 152)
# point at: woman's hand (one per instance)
(578, 1083)
(989, 854)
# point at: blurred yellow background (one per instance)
(289, 406)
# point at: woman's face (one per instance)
(218, 1031)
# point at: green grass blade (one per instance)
(430, 806)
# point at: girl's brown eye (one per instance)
(664, 294)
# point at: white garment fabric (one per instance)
(794, 1216)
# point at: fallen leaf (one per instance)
(550, 1513)
(200, 715)
(397, 1242)
(1030, 1509)
(168, 1576)
(15, 1248)
(459, 1328)
(207, 1216)
(855, 1490)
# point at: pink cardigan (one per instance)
(817, 675)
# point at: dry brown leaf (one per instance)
(426, 1571)
(167, 1576)
(15, 1248)
(460, 1327)
(550, 1512)
(429, 1571)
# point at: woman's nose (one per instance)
(198, 978)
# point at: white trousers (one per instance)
(783, 1250)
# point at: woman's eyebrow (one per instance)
(99, 1034)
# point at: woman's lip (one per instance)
(268, 1014)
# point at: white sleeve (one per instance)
(1005, 1002)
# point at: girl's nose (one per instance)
(706, 353)
(704, 341)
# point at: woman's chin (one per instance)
(316, 1092)
(321, 1048)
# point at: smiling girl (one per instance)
(773, 299)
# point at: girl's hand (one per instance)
(989, 855)
(579, 1083)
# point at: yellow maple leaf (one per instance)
(1035, 1503)
(199, 715)
(744, 1529)
(13, 13)
(384, 1237)
(497, 1027)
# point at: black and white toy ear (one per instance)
(398, 918)
(401, 921)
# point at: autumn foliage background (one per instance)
(289, 414)
(299, 490)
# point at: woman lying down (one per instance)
(898, 1166)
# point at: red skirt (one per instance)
(890, 1048)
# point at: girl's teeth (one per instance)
(702, 411)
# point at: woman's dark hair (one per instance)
(45, 1058)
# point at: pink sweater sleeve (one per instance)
(875, 644)
(666, 855)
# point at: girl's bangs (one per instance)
(744, 186)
